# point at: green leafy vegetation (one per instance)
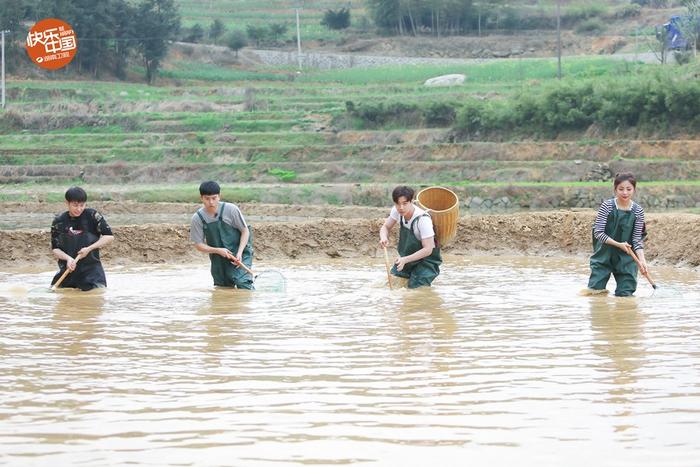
(283, 175)
(650, 104)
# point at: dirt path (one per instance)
(671, 239)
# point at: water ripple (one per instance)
(501, 363)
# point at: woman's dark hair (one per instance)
(209, 188)
(404, 191)
(75, 193)
(625, 177)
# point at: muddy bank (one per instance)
(249, 209)
(671, 240)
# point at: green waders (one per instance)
(221, 235)
(608, 259)
(422, 272)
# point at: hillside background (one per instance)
(340, 132)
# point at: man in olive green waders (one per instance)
(219, 229)
(419, 258)
(618, 229)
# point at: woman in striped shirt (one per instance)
(618, 229)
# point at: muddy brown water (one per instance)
(502, 362)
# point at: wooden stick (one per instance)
(388, 269)
(245, 268)
(65, 274)
(630, 251)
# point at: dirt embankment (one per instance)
(671, 241)
(249, 209)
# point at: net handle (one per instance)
(65, 273)
(239, 264)
(639, 264)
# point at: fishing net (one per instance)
(271, 280)
(666, 291)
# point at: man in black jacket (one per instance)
(76, 236)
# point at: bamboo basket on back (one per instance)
(443, 206)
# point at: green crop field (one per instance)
(274, 132)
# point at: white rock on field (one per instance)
(446, 80)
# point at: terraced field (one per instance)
(236, 14)
(277, 137)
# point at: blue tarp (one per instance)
(672, 32)
(674, 38)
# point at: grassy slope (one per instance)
(261, 126)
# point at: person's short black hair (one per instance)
(75, 193)
(404, 191)
(209, 188)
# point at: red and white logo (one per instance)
(51, 43)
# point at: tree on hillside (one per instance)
(385, 13)
(12, 12)
(157, 22)
(216, 30)
(194, 34)
(485, 9)
(689, 24)
(109, 31)
(236, 41)
(256, 33)
(64, 9)
(336, 19)
(448, 16)
(95, 26)
(421, 16)
(410, 10)
(277, 30)
(104, 30)
(125, 43)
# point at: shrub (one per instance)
(583, 12)
(10, 121)
(590, 26)
(440, 114)
(650, 104)
(682, 57)
(194, 34)
(283, 175)
(399, 114)
(627, 11)
(472, 117)
(684, 101)
(336, 19)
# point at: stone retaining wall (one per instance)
(327, 61)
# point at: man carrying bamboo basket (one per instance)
(419, 257)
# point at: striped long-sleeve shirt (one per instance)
(602, 219)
